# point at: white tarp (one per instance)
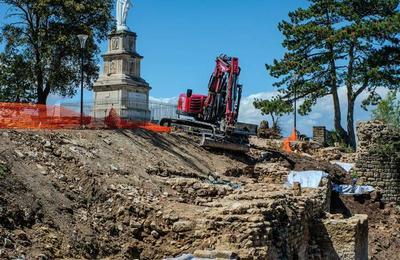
(352, 189)
(307, 179)
(187, 257)
(346, 166)
(183, 257)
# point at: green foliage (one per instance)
(335, 138)
(339, 43)
(354, 175)
(388, 110)
(42, 49)
(276, 108)
(13, 87)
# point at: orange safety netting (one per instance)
(33, 116)
(114, 121)
(286, 143)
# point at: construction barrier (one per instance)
(286, 143)
(33, 116)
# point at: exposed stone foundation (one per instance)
(340, 238)
(377, 163)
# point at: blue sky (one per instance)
(180, 39)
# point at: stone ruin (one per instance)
(378, 158)
(264, 220)
(208, 216)
(320, 135)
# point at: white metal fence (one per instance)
(158, 110)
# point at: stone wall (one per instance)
(377, 163)
(340, 238)
(320, 134)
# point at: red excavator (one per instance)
(215, 116)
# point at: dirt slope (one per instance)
(65, 193)
(131, 194)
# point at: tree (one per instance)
(45, 35)
(13, 87)
(334, 44)
(388, 110)
(275, 108)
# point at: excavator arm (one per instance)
(224, 93)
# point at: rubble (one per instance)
(168, 198)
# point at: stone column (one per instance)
(320, 135)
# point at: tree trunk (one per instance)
(274, 123)
(42, 98)
(350, 98)
(42, 91)
(43, 95)
(338, 115)
(334, 87)
(350, 124)
(336, 102)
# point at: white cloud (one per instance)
(322, 113)
(172, 100)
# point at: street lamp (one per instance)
(295, 82)
(82, 39)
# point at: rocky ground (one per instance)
(136, 194)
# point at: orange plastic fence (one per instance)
(33, 116)
(286, 143)
(114, 121)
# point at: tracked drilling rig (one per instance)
(215, 116)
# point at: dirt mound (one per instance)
(93, 193)
(384, 225)
(136, 194)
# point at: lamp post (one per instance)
(82, 39)
(295, 81)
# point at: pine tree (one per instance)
(333, 44)
(275, 108)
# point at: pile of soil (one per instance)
(383, 220)
(91, 194)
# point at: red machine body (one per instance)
(191, 106)
(221, 105)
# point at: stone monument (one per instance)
(120, 86)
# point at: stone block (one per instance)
(348, 238)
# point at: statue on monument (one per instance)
(122, 14)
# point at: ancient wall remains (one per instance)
(320, 134)
(378, 160)
(340, 238)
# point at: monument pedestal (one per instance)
(121, 86)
